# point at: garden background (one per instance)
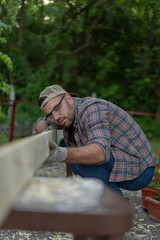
(107, 47)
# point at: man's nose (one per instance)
(56, 116)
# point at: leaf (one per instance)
(7, 61)
(3, 40)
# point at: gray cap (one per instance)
(51, 92)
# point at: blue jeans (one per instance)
(103, 170)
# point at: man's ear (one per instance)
(69, 98)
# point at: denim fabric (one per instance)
(103, 170)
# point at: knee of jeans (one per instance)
(149, 175)
(88, 170)
(81, 168)
(74, 168)
(146, 177)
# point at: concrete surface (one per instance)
(143, 227)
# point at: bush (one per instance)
(149, 125)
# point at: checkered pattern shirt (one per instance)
(101, 122)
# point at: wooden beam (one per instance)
(18, 162)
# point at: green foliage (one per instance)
(6, 65)
(27, 113)
(4, 57)
(157, 198)
(149, 125)
(108, 47)
(2, 40)
(155, 183)
(4, 87)
(4, 27)
(7, 61)
(3, 138)
(155, 144)
(2, 115)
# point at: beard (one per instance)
(69, 120)
(66, 121)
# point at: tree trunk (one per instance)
(11, 97)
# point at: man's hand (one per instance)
(48, 129)
(57, 154)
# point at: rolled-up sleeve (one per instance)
(97, 127)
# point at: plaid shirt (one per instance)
(103, 123)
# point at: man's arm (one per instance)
(89, 155)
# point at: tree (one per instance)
(7, 17)
(110, 47)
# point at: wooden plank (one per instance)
(18, 162)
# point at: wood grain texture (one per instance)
(18, 162)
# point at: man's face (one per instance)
(61, 110)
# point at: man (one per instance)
(102, 140)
